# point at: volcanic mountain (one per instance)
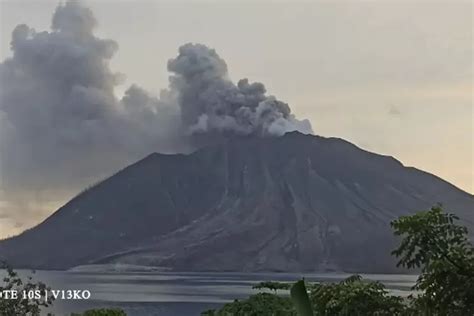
(291, 203)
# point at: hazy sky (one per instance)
(393, 77)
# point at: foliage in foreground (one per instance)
(300, 298)
(352, 296)
(32, 307)
(430, 240)
(20, 306)
(261, 304)
(102, 312)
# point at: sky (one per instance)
(393, 77)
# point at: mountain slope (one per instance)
(292, 203)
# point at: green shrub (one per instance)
(431, 241)
(102, 312)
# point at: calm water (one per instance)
(177, 294)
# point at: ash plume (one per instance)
(61, 125)
(60, 118)
(211, 103)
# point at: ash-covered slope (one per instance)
(292, 203)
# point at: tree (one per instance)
(261, 304)
(432, 241)
(21, 305)
(354, 296)
(102, 312)
(350, 297)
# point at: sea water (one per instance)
(177, 294)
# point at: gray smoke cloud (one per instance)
(60, 118)
(61, 125)
(211, 103)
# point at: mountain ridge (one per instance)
(292, 203)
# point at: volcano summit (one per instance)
(291, 203)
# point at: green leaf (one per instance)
(300, 298)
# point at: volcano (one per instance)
(291, 203)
